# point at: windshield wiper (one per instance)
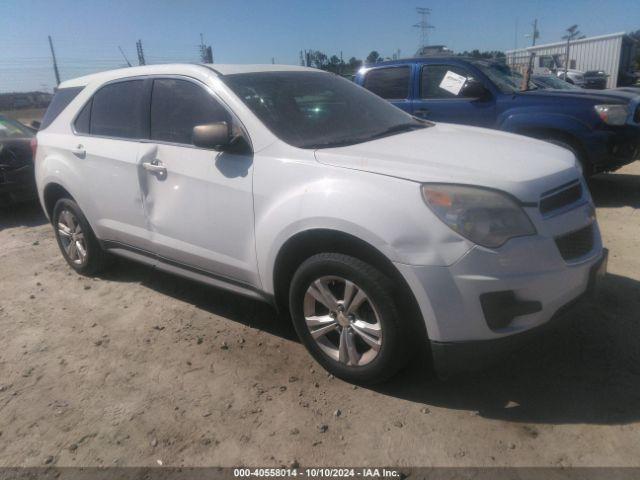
(402, 127)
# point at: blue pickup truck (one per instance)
(601, 127)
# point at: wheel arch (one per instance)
(307, 243)
(53, 192)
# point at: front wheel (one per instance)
(345, 315)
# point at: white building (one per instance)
(612, 53)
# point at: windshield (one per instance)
(318, 110)
(549, 81)
(507, 80)
(12, 129)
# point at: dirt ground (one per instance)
(137, 367)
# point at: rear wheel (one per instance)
(77, 242)
(345, 315)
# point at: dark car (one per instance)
(602, 128)
(595, 79)
(17, 181)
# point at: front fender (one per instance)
(519, 122)
(388, 213)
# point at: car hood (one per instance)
(597, 96)
(449, 153)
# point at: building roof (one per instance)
(573, 42)
(179, 68)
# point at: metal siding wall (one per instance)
(598, 54)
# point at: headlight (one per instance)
(486, 217)
(612, 114)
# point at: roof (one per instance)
(177, 68)
(573, 42)
(427, 59)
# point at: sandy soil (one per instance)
(135, 366)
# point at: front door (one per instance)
(198, 202)
(441, 100)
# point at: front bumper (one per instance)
(613, 147)
(450, 358)
(17, 185)
(529, 273)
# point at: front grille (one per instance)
(575, 244)
(560, 199)
(636, 117)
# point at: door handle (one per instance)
(421, 111)
(155, 166)
(79, 151)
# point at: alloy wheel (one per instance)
(343, 320)
(72, 237)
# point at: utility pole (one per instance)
(124, 56)
(423, 25)
(572, 32)
(535, 34)
(55, 63)
(301, 59)
(141, 60)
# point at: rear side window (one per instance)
(115, 110)
(389, 83)
(59, 102)
(179, 105)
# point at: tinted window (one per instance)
(83, 119)
(432, 76)
(179, 105)
(388, 82)
(318, 110)
(116, 110)
(59, 102)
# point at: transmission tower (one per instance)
(140, 53)
(423, 25)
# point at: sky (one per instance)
(87, 33)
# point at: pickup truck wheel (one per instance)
(346, 317)
(587, 168)
(77, 242)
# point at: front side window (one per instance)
(432, 85)
(179, 105)
(318, 110)
(390, 83)
(116, 110)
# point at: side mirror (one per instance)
(474, 89)
(216, 136)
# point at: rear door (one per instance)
(439, 100)
(107, 136)
(199, 206)
(391, 83)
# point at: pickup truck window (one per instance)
(179, 105)
(389, 83)
(431, 78)
(507, 80)
(318, 110)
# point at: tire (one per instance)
(587, 168)
(357, 324)
(72, 231)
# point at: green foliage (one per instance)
(478, 54)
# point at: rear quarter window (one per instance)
(61, 99)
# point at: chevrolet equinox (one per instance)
(377, 232)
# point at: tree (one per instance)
(335, 64)
(373, 57)
(318, 59)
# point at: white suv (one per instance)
(377, 232)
